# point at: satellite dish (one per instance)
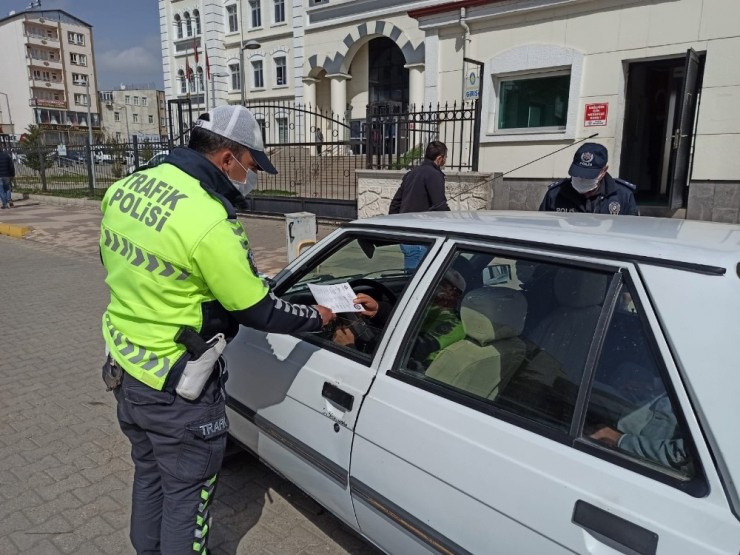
(12, 12)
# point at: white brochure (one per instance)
(338, 297)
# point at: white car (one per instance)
(542, 383)
(152, 162)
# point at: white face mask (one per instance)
(583, 185)
(250, 181)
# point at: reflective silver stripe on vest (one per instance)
(128, 348)
(137, 257)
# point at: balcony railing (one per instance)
(39, 62)
(47, 84)
(42, 40)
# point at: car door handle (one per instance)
(336, 395)
(616, 532)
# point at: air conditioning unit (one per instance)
(109, 103)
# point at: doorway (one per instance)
(661, 102)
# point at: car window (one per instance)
(630, 409)
(373, 266)
(511, 333)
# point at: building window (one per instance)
(79, 78)
(256, 10)
(81, 99)
(162, 122)
(136, 100)
(75, 59)
(178, 26)
(127, 100)
(257, 74)
(116, 116)
(118, 136)
(233, 20)
(188, 24)
(279, 12)
(534, 101)
(135, 118)
(281, 71)
(151, 119)
(144, 101)
(75, 38)
(236, 77)
(282, 123)
(201, 80)
(196, 17)
(181, 79)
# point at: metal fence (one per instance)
(396, 136)
(79, 169)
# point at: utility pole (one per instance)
(89, 133)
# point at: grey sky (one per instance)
(125, 37)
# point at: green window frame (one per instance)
(533, 102)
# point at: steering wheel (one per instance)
(381, 289)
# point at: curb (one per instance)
(17, 231)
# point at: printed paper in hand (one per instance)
(337, 297)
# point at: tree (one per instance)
(36, 155)
(146, 153)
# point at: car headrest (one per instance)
(579, 289)
(493, 313)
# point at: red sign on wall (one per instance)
(596, 114)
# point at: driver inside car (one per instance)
(441, 326)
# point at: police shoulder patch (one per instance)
(558, 183)
(627, 184)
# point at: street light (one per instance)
(10, 116)
(213, 87)
(249, 45)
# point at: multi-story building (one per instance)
(133, 112)
(49, 70)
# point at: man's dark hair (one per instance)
(207, 142)
(434, 149)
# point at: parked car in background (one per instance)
(152, 162)
(102, 156)
(542, 383)
(73, 158)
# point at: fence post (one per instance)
(476, 133)
(89, 161)
(368, 139)
(136, 151)
(41, 154)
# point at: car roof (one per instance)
(671, 241)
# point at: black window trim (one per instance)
(696, 486)
(286, 279)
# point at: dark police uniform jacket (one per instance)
(615, 196)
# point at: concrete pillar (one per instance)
(338, 104)
(416, 84)
(309, 93)
(309, 100)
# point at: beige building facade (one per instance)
(49, 66)
(130, 112)
(658, 81)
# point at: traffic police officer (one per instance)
(590, 188)
(181, 280)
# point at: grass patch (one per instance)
(274, 193)
(83, 193)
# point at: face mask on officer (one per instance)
(583, 185)
(250, 180)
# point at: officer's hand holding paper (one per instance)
(339, 297)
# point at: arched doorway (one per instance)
(388, 79)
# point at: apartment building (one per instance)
(130, 112)
(49, 54)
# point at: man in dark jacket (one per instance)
(590, 188)
(422, 190)
(7, 173)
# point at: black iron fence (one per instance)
(396, 136)
(79, 169)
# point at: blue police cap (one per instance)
(589, 160)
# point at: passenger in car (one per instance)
(441, 326)
(651, 432)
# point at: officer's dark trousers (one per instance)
(177, 447)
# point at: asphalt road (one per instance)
(65, 476)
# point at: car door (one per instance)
(294, 400)
(506, 441)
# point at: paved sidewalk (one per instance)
(65, 469)
(76, 227)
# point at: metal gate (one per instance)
(315, 157)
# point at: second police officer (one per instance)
(590, 188)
